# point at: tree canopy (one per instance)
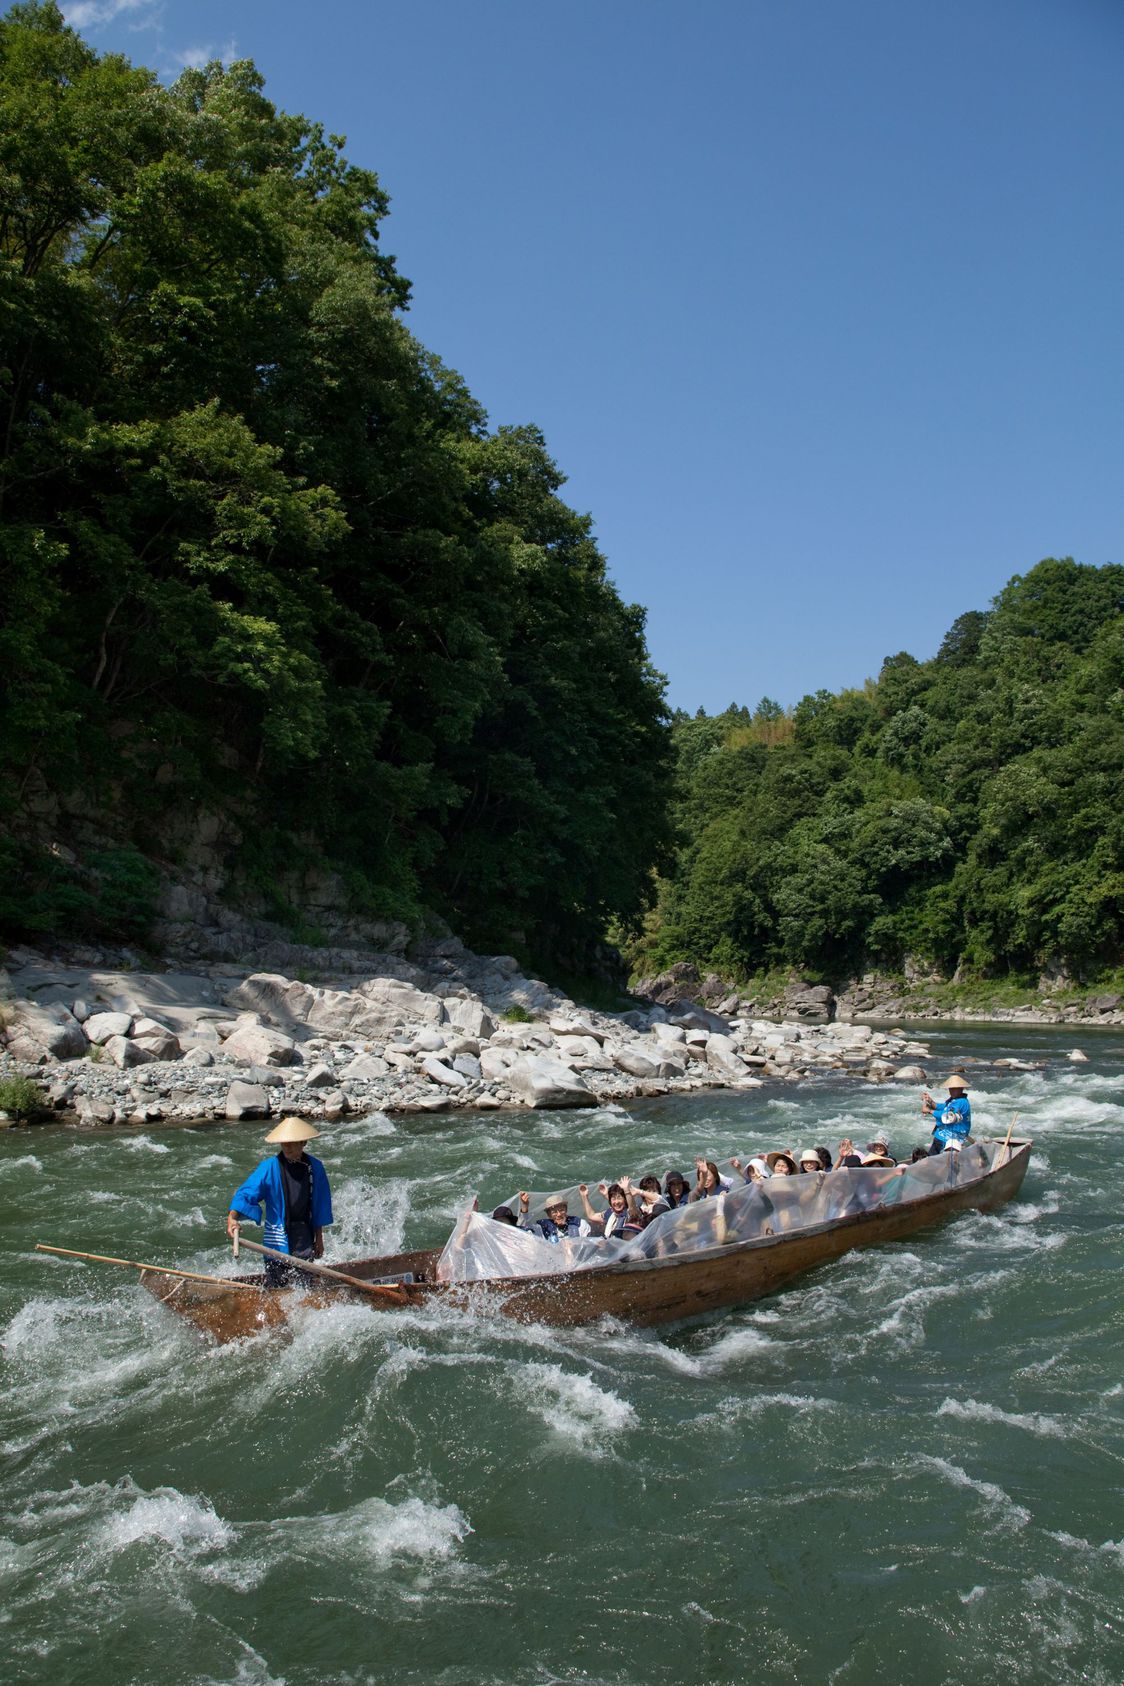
(260, 554)
(966, 811)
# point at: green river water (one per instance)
(908, 1466)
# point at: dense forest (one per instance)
(268, 576)
(966, 813)
(261, 556)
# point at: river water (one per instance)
(907, 1466)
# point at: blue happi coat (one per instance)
(952, 1120)
(263, 1187)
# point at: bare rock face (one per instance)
(670, 985)
(91, 1111)
(285, 1002)
(496, 1062)
(638, 1062)
(472, 1018)
(320, 1076)
(545, 1082)
(438, 1072)
(693, 1017)
(909, 1074)
(157, 1039)
(125, 1053)
(254, 1044)
(812, 1004)
(722, 1056)
(99, 1027)
(40, 1033)
(365, 1066)
(246, 1100)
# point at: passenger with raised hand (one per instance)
(675, 1189)
(557, 1225)
(755, 1170)
(645, 1202)
(848, 1157)
(613, 1223)
(708, 1181)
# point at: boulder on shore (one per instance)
(100, 1027)
(246, 1100)
(40, 1033)
(257, 1044)
(545, 1082)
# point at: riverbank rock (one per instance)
(416, 1035)
(256, 1044)
(545, 1082)
(246, 1100)
(39, 1033)
(100, 1028)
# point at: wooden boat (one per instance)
(644, 1291)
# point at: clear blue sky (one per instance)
(819, 303)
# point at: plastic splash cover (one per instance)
(480, 1249)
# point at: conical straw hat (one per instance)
(292, 1130)
(955, 1082)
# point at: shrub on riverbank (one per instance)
(21, 1099)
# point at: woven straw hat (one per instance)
(292, 1130)
(955, 1082)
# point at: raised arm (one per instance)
(583, 1195)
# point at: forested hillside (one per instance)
(263, 563)
(967, 812)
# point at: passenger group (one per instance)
(630, 1207)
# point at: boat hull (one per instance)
(646, 1291)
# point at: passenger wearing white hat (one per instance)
(293, 1189)
(952, 1119)
(755, 1170)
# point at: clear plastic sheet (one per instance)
(480, 1249)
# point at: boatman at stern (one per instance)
(293, 1188)
(952, 1119)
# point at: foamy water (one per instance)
(904, 1466)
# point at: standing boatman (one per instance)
(293, 1188)
(952, 1119)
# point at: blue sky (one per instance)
(818, 302)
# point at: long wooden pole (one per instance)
(394, 1295)
(1006, 1148)
(134, 1264)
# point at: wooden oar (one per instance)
(1007, 1140)
(394, 1295)
(134, 1264)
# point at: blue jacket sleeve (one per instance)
(248, 1200)
(321, 1196)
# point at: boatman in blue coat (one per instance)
(293, 1189)
(952, 1119)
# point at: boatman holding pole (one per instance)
(293, 1188)
(952, 1119)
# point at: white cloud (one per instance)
(81, 14)
(194, 58)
